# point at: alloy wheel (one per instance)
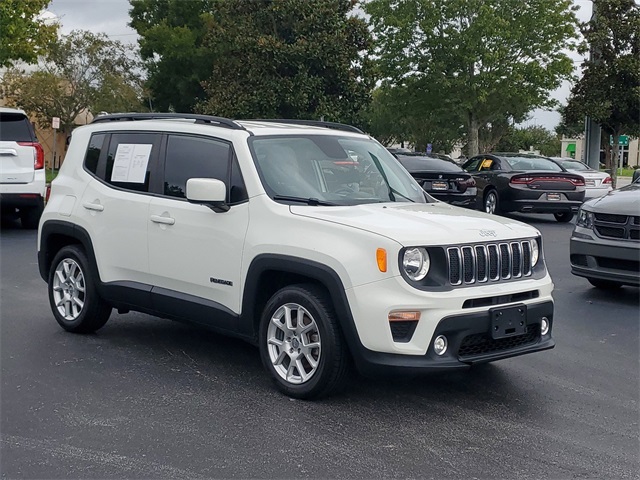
(69, 289)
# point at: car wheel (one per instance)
(73, 296)
(604, 284)
(301, 344)
(491, 204)
(30, 217)
(563, 217)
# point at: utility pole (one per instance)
(593, 134)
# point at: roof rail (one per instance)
(312, 123)
(206, 119)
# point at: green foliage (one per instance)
(609, 90)
(480, 61)
(82, 72)
(532, 137)
(23, 36)
(177, 61)
(288, 59)
(570, 130)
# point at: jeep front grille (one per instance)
(469, 264)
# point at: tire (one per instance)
(604, 284)
(281, 345)
(30, 217)
(73, 296)
(492, 203)
(563, 217)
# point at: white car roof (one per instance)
(12, 110)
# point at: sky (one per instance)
(112, 16)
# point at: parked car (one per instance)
(312, 243)
(605, 244)
(515, 182)
(440, 177)
(597, 183)
(22, 175)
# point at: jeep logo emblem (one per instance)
(487, 233)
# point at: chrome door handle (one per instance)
(93, 206)
(163, 220)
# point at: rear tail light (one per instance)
(607, 181)
(577, 181)
(522, 180)
(47, 193)
(38, 160)
(466, 182)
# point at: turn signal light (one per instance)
(381, 258)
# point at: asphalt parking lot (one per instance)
(149, 398)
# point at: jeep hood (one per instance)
(422, 223)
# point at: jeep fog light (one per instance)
(544, 326)
(440, 345)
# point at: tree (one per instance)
(177, 61)
(484, 60)
(288, 59)
(532, 137)
(609, 90)
(24, 34)
(569, 130)
(81, 72)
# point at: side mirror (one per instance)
(209, 192)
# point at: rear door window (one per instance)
(131, 160)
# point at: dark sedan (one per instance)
(440, 177)
(512, 182)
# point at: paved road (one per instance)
(148, 398)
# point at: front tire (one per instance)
(604, 284)
(301, 344)
(73, 296)
(563, 217)
(491, 203)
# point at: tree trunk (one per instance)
(472, 140)
(615, 149)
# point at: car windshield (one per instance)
(533, 163)
(574, 165)
(331, 170)
(419, 163)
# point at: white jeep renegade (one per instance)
(306, 238)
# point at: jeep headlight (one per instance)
(585, 219)
(535, 252)
(416, 263)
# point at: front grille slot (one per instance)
(612, 232)
(611, 218)
(482, 344)
(469, 264)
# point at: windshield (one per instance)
(331, 170)
(533, 163)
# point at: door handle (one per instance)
(93, 206)
(162, 219)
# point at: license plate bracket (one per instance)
(508, 321)
(553, 197)
(435, 185)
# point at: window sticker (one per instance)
(130, 164)
(486, 163)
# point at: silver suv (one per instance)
(22, 174)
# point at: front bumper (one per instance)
(599, 258)
(469, 342)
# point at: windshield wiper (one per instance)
(309, 201)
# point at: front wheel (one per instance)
(604, 284)
(491, 204)
(73, 296)
(563, 217)
(301, 345)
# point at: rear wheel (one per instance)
(30, 217)
(563, 217)
(301, 345)
(73, 296)
(491, 203)
(604, 284)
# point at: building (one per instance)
(629, 150)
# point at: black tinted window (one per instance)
(130, 160)
(194, 157)
(429, 164)
(93, 152)
(472, 165)
(15, 127)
